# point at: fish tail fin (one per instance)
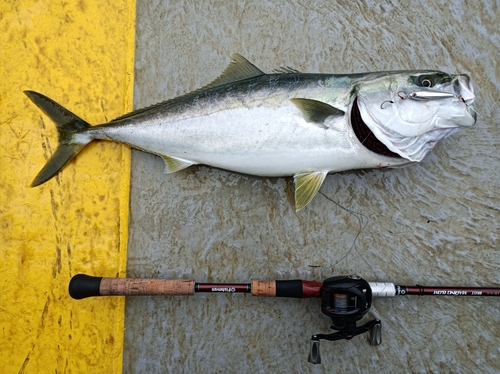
(68, 125)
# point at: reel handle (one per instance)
(314, 353)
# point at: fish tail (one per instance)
(68, 125)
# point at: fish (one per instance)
(285, 123)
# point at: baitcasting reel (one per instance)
(345, 299)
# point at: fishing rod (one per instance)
(345, 299)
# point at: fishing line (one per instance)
(361, 217)
(366, 137)
(468, 105)
(362, 225)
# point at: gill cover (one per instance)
(409, 127)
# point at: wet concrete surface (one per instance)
(432, 223)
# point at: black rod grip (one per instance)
(82, 286)
(289, 288)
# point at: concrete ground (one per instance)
(433, 223)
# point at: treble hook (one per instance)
(387, 101)
(401, 94)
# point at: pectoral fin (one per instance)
(306, 187)
(316, 111)
(173, 164)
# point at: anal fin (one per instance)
(173, 164)
(306, 186)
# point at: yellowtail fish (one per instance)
(284, 124)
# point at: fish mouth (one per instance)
(366, 136)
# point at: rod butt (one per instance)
(82, 286)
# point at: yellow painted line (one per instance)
(79, 53)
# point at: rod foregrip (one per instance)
(264, 288)
(82, 286)
(286, 288)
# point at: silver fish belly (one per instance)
(284, 124)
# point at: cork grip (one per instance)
(82, 286)
(264, 288)
(131, 286)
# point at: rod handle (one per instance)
(82, 286)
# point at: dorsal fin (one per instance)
(286, 70)
(238, 69)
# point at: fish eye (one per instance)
(430, 80)
(426, 82)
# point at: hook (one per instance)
(387, 101)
